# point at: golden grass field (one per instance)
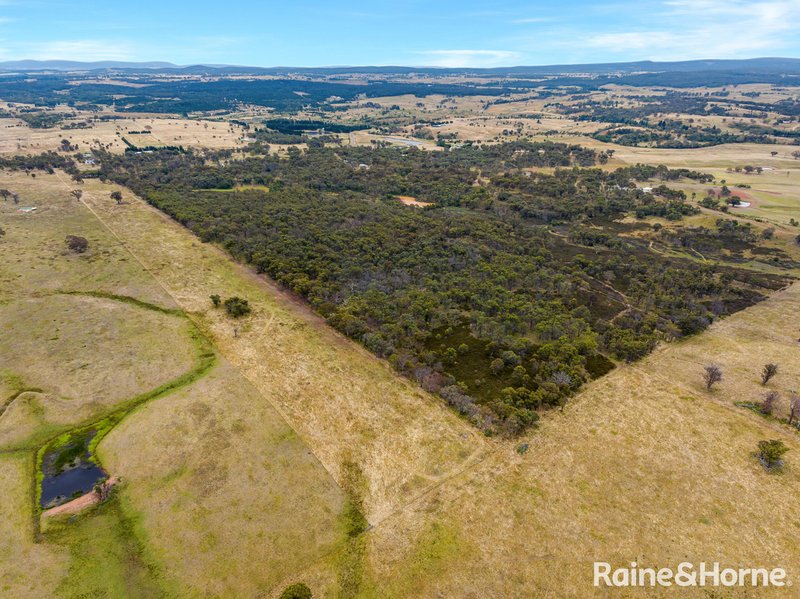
(243, 480)
(213, 449)
(16, 137)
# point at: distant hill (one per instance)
(73, 65)
(752, 65)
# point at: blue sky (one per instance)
(405, 32)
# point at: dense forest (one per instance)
(513, 287)
(159, 96)
(156, 94)
(644, 123)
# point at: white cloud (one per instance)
(469, 58)
(84, 50)
(709, 29)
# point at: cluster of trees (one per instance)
(186, 96)
(713, 374)
(727, 234)
(474, 297)
(47, 162)
(675, 134)
(235, 306)
(497, 314)
(43, 120)
(770, 452)
(638, 120)
(131, 147)
(298, 126)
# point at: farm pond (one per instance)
(69, 471)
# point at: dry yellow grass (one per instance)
(230, 501)
(222, 494)
(17, 138)
(37, 261)
(82, 354)
(230, 498)
(27, 569)
(85, 354)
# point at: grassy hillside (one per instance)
(71, 359)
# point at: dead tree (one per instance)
(712, 374)
(769, 371)
(794, 407)
(770, 402)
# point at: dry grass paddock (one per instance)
(16, 137)
(219, 492)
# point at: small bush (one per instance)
(77, 244)
(712, 374)
(237, 307)
(771, 452)
(298, 590)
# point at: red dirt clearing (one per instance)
(412, 201)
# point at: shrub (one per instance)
(237, 307)
(299, 590)
(771, 452)
(770, 402)
(77, 244)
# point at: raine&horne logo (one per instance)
(687, 574)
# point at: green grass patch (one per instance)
(756, 407)
(107, 559)
(74, 448)
(127, 300)
(434, 551)
(350, 559)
